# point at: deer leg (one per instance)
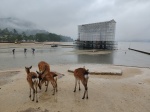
(33, 94)
(79, 84)
(84, 94)
(54, 87)
(75, 85)
(56, 79)
(56, 84)
(32, 86)
(39, 86)
(36, 92)
(84, 82)
(47, 85)
(30, 94)
(87, 94)
(85, 91)
(41, 83)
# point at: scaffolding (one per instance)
(99, 35)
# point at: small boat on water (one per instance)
(54, 45)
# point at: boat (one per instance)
(54, 45)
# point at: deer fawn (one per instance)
(32, 79)
(81, 74)
(45, 75)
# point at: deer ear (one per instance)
(37, 72)
(87, 70)
(25, 67)
(30, 67)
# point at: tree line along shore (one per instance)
(14, 36)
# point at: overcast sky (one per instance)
(64, 16)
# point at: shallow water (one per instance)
(61, 55)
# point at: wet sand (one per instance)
(129, 92)
(43, 45)
(21, 45)
(31, 45)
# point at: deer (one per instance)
(48, 77)
(81, 74)
(43, 68)
(45, 76)
(32, 79)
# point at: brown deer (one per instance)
(49, 77)
(32, 79)
(81, 74)
(45, 75)
(44, 68)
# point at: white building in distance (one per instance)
(97, 35)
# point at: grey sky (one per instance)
(64, 16)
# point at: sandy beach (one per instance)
(129, 92)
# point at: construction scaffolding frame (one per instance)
(99, 35)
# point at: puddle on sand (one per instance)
(6, 76)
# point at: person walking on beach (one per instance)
(25, 50)
(13, 51)
(33, 50)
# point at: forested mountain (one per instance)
(12, 36)
(12, 29)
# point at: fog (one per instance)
(64, 16)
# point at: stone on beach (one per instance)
(99, 70)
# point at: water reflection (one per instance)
(101, 58)
(14, 56)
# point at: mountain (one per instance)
(20, 25)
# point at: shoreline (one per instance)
(81, 64)
(108, 93)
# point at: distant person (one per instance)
(25, 50)
(13, 51)
(33, 50)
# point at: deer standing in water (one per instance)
(81, 74)
(45, 76)
(32, 79)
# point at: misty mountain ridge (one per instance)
(20, 25)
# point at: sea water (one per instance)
(64, 55)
